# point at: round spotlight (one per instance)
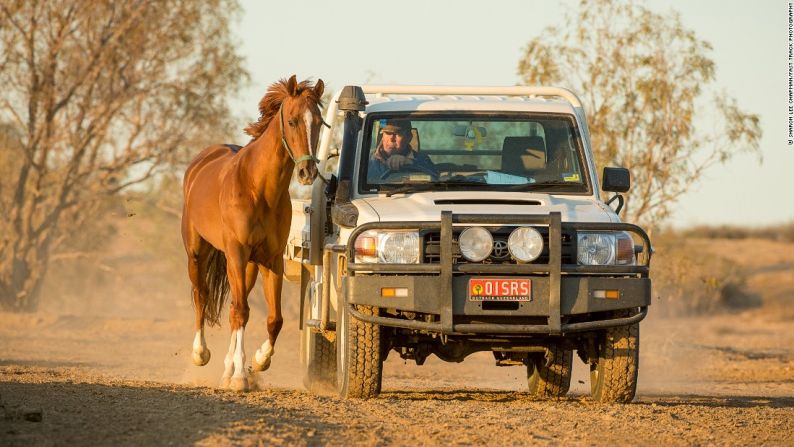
(475, 243)
(525, 244)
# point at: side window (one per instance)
(562, 150)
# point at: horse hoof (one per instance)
(225, 382)
(201, 358)
(238, 384)
(261, 360)
(259, 367)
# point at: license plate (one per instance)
(500, 289)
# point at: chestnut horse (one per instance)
(236, 219)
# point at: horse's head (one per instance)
(300, 122)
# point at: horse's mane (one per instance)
(271, 102)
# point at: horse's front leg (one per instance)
(242, 276)
(272, 278)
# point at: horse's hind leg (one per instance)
(242, 276)
(197, 251)
(201, 353)
(272, 279)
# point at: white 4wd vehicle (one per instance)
(491, 235)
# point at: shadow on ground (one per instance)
(717, 401)
(143, 414)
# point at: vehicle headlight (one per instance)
(398, 248)
(388, 247)
(475, 243)
(525, 244)
(605, 248)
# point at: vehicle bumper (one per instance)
(576, 299)
(562, 295)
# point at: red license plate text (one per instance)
(500, 289)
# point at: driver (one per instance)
(394, 152)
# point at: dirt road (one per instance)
(110, 365)
(117, 380)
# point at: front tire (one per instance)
(359, 365)
(317, 355)
(550, 377)
(613, 375)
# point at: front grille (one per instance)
(500, 254)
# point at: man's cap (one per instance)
(395, 126)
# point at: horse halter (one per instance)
(286, 145)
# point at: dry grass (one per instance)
(697, 275)
(781, 232)
(140, 260)
(688, 281)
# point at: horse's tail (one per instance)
(217, 283)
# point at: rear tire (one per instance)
(550, 378)
(317, 355)
(359, 366)
(613, 375)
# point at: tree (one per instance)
(98, 97)
(643, 77)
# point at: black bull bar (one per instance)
(446, 268)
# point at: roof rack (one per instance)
(526, 91)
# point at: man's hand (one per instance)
(395, 162)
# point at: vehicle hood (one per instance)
(427, 206)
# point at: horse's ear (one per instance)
(292, 85)
(319, 88)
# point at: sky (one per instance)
(464, 42)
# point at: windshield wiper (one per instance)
(424, 186)
(545, 185)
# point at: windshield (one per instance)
(426, 152)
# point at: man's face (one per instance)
(393, 141)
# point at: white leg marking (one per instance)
(239, 355)
(201, 354)
(239, 379)
(263, 355)
(228, 362)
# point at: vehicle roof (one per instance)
(403, 103)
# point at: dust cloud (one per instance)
(129, 313)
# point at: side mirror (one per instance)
(616, 180)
